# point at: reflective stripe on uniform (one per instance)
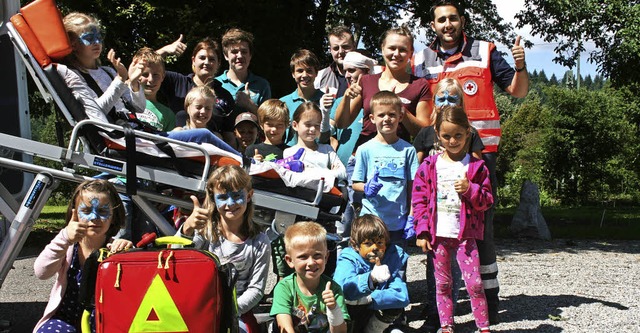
(485, 124)
(490, 284)
(487, 269)
(491, 141)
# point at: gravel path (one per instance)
(556, 286)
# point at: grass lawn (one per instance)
(581, 222)
(572, 223)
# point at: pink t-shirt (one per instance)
(416, 91)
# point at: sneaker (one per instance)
(484, 330)
(448, 329)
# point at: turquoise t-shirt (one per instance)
(259, 88)
(347, 137)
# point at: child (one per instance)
(156, 114)
(448, 92)
(248, 89)
(450, 194)
(370, 273)
(307, 300)
(385, 167)
(304, 67)
(246, 130)
(306, 123)
(112, 88)
(274, 119)
(94, 216)
(199, 104)
(224, 226)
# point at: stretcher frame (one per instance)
(76, 156)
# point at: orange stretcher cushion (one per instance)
(45, 21)
(37, 51)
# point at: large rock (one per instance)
(528, 220)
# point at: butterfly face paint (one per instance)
(94, 211)
(231, 198)
(446, 99)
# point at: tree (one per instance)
(543, 77)
(553, 80)
(613, 25)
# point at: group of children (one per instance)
(439, 200)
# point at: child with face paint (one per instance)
(447, 92)
(370, 273)
(223, 225)
(94, 216)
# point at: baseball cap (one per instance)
(247, 116)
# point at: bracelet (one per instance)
(335, 316)
(521, 68)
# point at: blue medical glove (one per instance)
(409, 229)
(295, 166)
(372, 187)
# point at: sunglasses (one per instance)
(91, 37)
(446, 99)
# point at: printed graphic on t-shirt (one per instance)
(448, 200)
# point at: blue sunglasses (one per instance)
(446, 99)
(91, 37)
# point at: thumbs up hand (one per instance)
(327, 99)
(257, 156)
(518, 54)
(380, 273)
(176, 48)
(243, 97)
(197, 220)
(354, 90)
(328, 297)
(373, 186)
(76, 229)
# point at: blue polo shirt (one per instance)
(259, 88)
(347, 137)
(293, 100)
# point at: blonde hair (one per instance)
(150, 56)
(304, 233)
(76, 23)
(199, 91)
(385, 97)
(273, 109)
(448, 84)
(228, 178)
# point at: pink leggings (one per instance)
(469, 262)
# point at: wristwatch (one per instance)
(521, 68)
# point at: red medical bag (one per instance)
(164, 290)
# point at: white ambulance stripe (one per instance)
(486, 124)
(491, 141)
(483, 52)
(491, 268)
(490, 284)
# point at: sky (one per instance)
(540, 55)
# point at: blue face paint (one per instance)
(231, 198)
(94, 211)
(446, 99)
(91, 37)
